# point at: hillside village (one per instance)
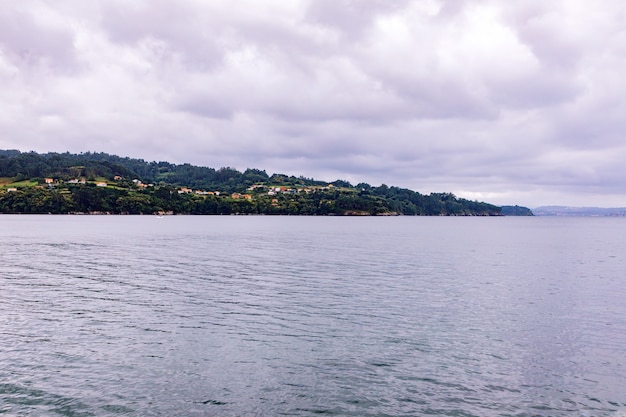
(252, 191)
(101, 183)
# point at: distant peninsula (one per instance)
(580, 211)
(100, 183)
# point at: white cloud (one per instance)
(519, 101)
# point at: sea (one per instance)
(310, 316)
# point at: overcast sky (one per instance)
(510, 102)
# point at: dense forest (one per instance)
(61, 183)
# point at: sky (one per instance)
(508, 102)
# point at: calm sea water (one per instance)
(301, 316)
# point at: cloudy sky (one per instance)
(510, 102)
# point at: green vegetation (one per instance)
(23, 183)
(516, 211)
(103, 183)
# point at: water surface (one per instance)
(300, 316)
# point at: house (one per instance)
(139, 184)
(255, 186)
(185, 190)
(77, 181)
(236, 196)
(101, 184)
(11, 190)
(117, 177)
(49, 180)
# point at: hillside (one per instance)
(103, 183)
(516, 211)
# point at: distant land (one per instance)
(99, 183)
(579, 211)
(516, 211)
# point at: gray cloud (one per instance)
(350, 18)
(509, 103)
(28, 42)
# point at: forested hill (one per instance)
(99, 182)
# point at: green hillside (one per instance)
(103, 183)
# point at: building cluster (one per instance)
(288, 190)
(261, 189)
(185, 190)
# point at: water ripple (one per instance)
(305, 316)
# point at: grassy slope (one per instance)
(8, 182)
